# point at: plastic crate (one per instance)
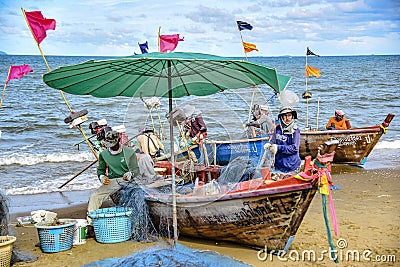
(112, 225)
(56, 238)
(6, 245)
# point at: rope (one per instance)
(328, 231)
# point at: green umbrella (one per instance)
(169, 75)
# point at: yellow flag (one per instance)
(248, 47)
(310, 71)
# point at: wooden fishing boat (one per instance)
(256, 215)
(260, 213)
(354, 147)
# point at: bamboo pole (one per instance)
(61, 92)
(158, 39)
(306, 90)
(79, 173)
(5, 86)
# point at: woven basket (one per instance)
(58, 237)
(6, 244)
(112, 225)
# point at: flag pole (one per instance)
(5, 86)
(61, 92)
(241, 37)
(254, 91)
(158, 39)
(306, 90)
(45, 61)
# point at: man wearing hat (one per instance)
(285, 142)
(117, 163)
(338, 122)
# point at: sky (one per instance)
(280, 27)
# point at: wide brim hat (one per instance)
(111, 139)
(286, 110)
(188, 110)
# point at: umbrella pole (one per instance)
(171, 137)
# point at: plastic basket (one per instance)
(112, 225)
(6, 244)
(56, 238)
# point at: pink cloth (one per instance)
(169, 42)
(16, 72)
(39, 25)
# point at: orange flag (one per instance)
(310, 71)
(248, 47)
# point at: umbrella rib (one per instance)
(259, 77)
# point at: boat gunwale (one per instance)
(233, 195)
(368, 129)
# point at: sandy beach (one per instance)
(367, 209)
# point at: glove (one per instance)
(273, 148)
(267, 146)
(127, 176)
(104, 179)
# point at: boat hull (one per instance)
(265, 217)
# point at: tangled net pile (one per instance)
(171, 256)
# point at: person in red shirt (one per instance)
(338, 122)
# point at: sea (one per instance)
(39, 152)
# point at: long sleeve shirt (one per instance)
(287, 158)
(118, 164)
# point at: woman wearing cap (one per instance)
(285, 142)
(117, 163)
(338, 122)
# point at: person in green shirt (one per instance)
(117, 164)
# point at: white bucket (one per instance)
(80, 231)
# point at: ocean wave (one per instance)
(82, 183)
(388, 144)
(28, 159)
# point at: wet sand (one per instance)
(368, 213)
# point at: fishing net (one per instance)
(171, 256)
(4, 214)
(238, 170)
(134, 196)
(17, 256)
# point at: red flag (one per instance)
(169, 42)
(39, 25)
(16, 72)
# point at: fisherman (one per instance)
(117, 164)
(150, 144)
(338, 122)
(196, 129)
(285, 143)
(261, 123)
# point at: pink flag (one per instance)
(169, 42)
(39, 25)
(16, 72)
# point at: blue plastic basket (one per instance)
(56, 238)
(112, 225)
